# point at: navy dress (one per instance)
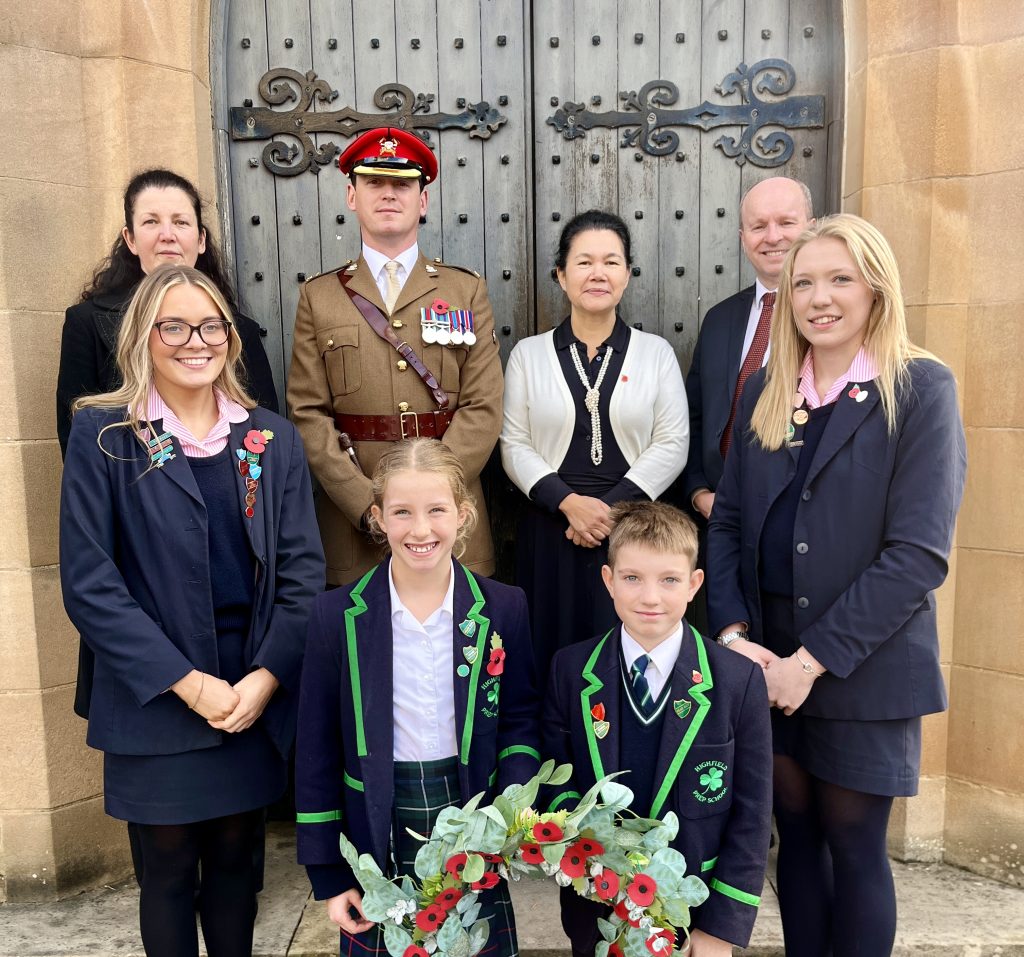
(245, 771)
(873, 757)
(568, 601)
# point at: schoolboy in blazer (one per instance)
(715, 722)
(344, 765)
(873, 532)
(148, 619)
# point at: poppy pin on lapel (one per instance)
(858, 394)
(697, 677)
(601, 727)
(253, 446)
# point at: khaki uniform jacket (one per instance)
(339, 364)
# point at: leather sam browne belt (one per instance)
(392, 428)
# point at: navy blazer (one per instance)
(717, 716)
(710, 385)
(872, 536)
(135, 573)
(344, 760)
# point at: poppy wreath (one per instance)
(600, 848)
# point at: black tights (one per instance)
(836, 891)
(170, 856)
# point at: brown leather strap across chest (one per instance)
(378, 322)
(391, 428)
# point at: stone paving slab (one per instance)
(944, 912)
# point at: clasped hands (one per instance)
(589, 520)
(227, 707)
(788, 683)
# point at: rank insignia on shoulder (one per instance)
(472, 272)
(430, 269)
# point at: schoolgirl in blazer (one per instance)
(144, 611)
(344, 762)
(714, 718)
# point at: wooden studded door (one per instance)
(662, 110)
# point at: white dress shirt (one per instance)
(755, 314)
(663, 658)
(377, 261)
(423, 686)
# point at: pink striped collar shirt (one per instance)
(862, 369)
(230, 412)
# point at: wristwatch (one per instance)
(729, 637)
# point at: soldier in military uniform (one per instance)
(351, 393)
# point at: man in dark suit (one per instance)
(733, 340)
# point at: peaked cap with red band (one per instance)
(388, 151)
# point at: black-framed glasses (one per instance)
(174, 332)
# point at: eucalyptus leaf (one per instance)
(379, 898)
(429, 860)
(348, 852)
(553, 853)
(478, 935)
(544, 774)
(471, 916)
(561, 775)
(408, 888)
(514, 795)
(473, 803)
(474, 868)
(601, 950)
(466, 901)
(529, 795)
(608, 930)
(504, 806)
(656, 839)
(627, 839)
(450, 822)
(368, 865)
(452, 937)
(485, 832)
(396, 938)
(694, 891)
(671, 823)
(616, 795)
(634, 943)
(677, 913)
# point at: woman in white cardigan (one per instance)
(595, 413)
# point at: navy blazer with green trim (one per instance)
(716, 717)
(135, 573)
(345, 747)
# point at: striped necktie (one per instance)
(641, 690)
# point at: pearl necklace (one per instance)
(591, 401)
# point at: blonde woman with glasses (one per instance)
(189, 560)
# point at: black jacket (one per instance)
(88, 367)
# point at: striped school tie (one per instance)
(641, 690)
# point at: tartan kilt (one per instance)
(423, 789)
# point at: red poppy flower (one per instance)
(590, 847)
(641, 891)
(532, 854)
(489, 880)
(439, 306)
(414, 950)
(547, 832)
(492, 858)
(622, 912)
(598, 712)
(430, 918)
(615, 950)
(255, 441)
(606, 884)
(448, 898)
(496, 665)
(455, 864)
(661, 943)
(573, 862)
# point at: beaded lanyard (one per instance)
(591, 400)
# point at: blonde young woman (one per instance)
(189, 560)
(830, 531)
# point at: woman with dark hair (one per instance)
(595, 413)
(163, 223)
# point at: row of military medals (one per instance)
(454, 327)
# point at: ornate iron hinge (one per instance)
(283, 86)
(646, 117)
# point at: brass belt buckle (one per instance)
(416, 421)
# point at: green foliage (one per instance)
(396, 938)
